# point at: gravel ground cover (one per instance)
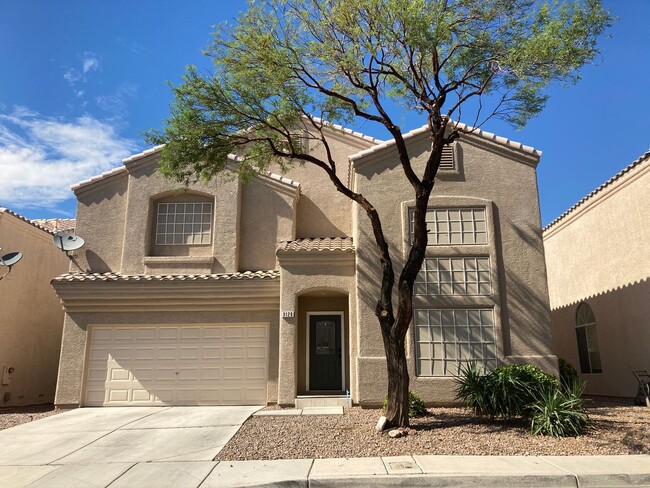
(12, 416)
(617, 428)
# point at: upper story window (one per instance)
(183, 223)
(455, 226)
(588, 348)
(468, 276)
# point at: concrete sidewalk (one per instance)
(402, 471)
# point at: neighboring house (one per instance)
(31, 319)
(231, 293)
(598, 261)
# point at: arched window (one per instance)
(588, 348)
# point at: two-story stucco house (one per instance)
(231, 293)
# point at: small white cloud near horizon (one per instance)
(41, 157)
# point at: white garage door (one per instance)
(177, 365)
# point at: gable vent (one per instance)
(447, 161)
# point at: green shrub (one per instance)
(473, 390)
(506, 392)
(417, 408)
(568, 374)
(559, 412)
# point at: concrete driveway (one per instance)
(96, 446)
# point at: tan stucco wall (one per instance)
(101, 210)
(599, 254)
(623, 328)
(31, 319)
(268, 217)
(322, 211)
(603, 244)
(505, 181)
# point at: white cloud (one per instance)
(41, 157)
(117, 102)
(90, 63)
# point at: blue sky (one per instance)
(81, 81)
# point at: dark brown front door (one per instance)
(325, 368)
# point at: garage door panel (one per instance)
(256, 352)
(144, 353)
(210, 373)
(234, 352)
(211, 352)
(145, 334)
(176, 365)
(189, 352)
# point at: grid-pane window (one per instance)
(455, 226)
(454, 276)
(448, 339)
(183, 223)
(588, 348)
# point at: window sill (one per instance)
(179, 264)
(178, 260)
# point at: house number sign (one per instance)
(287, 314)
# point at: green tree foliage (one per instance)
(286, 66)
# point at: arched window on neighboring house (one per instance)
(588, 348)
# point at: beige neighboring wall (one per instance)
(598, 253)
(502, 180)
(31, 318)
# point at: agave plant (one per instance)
(559, 412)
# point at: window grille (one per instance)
(455, 226)
(447, 339)
(469, 276)
(183, 223)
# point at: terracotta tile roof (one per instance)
(645, 158)
(35, 223)
(459, 125)
(246, 275)
(57, 225)
(318, 244)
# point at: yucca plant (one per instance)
(473, 390)
(559, 412)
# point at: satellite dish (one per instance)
(10, 259)
(67, 242)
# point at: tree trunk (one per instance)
(397, 409)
